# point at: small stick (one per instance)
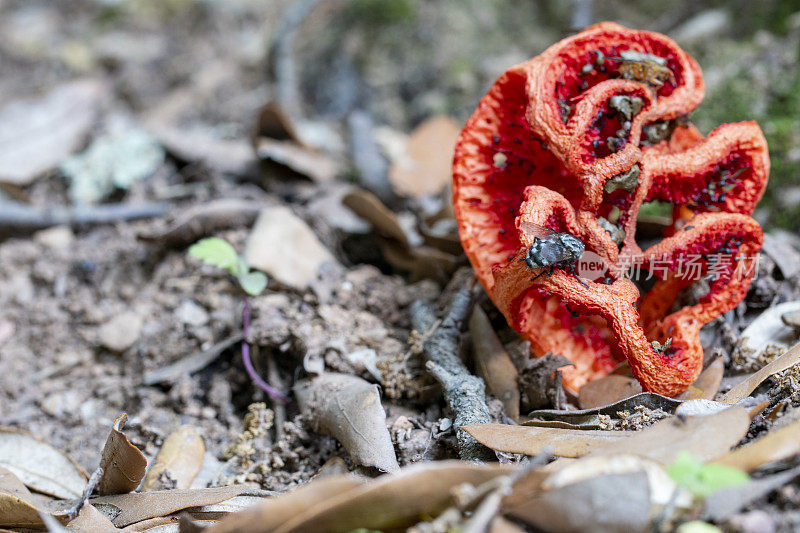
(464, 393)
(73, 511)
(20, 217)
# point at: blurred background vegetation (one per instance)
(404, 60)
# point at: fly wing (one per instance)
(535, 230)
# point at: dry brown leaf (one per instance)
(18, 507)
(422, 262)
(722, 504)
(197, 221)
(301, 161)
(746, 387)
(606, 390)
(705, 437)
(122, 463)
(615, 493)
(126, 509)
(36, 135)
(532, 440)
(370, 208)
(426, 166)
(90, 520)
(493, 363)
(769, 328)
(229, 156)
(589, 418)
(275, 511)
(39, 465)
(180, 459)
(349, 409)
(707, 383)
(776, 445)
(285, 247)
(537, 383)
(393, 501)
(335, 466)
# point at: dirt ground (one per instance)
(88, 311)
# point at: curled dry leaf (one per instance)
(707, 383)
(198, 221)
(125, 509)
(370, 208)
(705, 437)
(776, 445)
(282, 245)
(770, 328)
(229, 156)
(533, 440)
(179, 459)
(615, 493)
(493, 363)
(122, 463)
(270, 514)
(349, 409)
(395, 501)
(606, 390)
(743, 389)
(18, 507)
(39, 465)
(90, 520)
(589, 419)
(425, 167)
(300, 161)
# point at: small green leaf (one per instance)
(698, 527)
(253, 282)
(216, 252)
(703, 479)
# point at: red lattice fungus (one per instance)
(576, 140)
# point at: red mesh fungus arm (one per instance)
(576, 140)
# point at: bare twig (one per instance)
(94, 479)
(20, 217)
(193, 363)
(465, 393)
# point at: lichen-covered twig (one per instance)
(464, 393)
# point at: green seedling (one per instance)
(219, 253)
(703, 479)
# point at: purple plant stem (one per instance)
(248, 364)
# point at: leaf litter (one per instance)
(352, 320)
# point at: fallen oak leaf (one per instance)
(748, 385)
(122, 463)
(589, 418)
(18, 506)
(180, 458)
(39, 465)
(349, 409)
(776, 445)
(533, 440)
(493, 363)
(394, 501)
(126, 509)
(607, 493)
(271, 513)
(705, 437)
(90, 520)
